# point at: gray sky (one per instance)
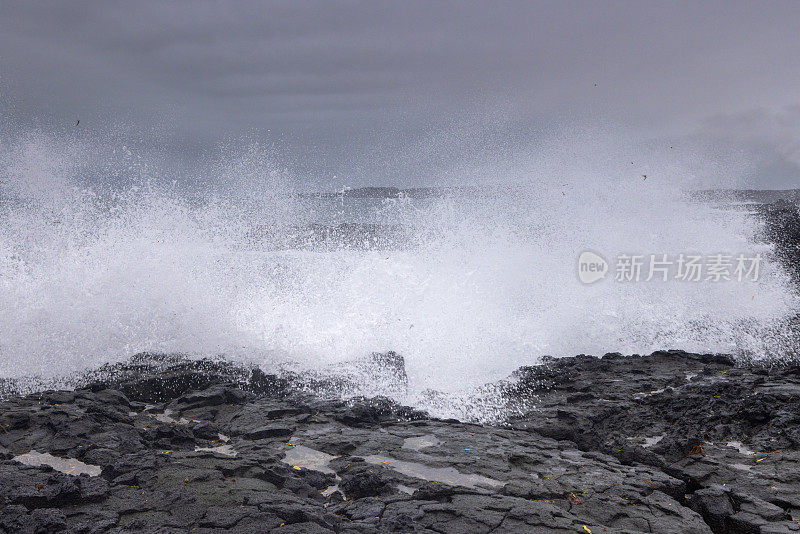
(383, 92)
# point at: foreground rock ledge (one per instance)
(670, 442)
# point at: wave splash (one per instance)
(470, 288)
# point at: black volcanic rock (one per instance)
(365, 481)
(269, 431)
(670, 442)
(782, 228)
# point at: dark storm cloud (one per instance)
(360, 88)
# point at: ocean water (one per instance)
(466, 286)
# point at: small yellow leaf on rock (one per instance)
(760, 459)
(297, 468)
(587, 529)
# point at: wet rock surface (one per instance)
(670, 442)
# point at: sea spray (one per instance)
(473, 287)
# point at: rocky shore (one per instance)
(670, 442)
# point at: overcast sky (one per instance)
(381, 92)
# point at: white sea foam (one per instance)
(487, 283)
